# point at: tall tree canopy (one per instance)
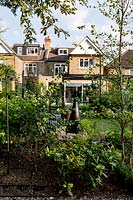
(119, 35)
(44, 10)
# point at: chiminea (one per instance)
(73, 126)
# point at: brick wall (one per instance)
(8, 59)
(43, 69)
(19, 68)
(74, 66)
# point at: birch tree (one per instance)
(113, 43)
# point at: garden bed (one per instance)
(30, 177)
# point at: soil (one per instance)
(38, 178)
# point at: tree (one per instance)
(44, 10)
(120, 12)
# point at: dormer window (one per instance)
(62, 51)
(19, 50)
(32, 50)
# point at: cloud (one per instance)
(71, 22)
(3, 24)
(79, 19)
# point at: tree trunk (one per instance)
(123, 145)
(131, 153)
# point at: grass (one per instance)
(98, 128)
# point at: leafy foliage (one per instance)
(125, 174)
(81, 160)
(31, 118)
(120, 14)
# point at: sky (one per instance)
(84, 16)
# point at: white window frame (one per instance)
(32, 51)
(131, 72)
(87, 63)
(60, 67)
(62, 51)
(30, 67)
(19, 50)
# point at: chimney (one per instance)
(47, 43)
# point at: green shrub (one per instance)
(125, 175)
(79, 159)
(85, 107)
(113, 136)
(2, 137)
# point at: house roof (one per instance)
(33, 58)
(53, 56)
(26, 45)
(127, 59)
(86, 46)
(5, 49)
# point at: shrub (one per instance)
(125, 175)
(81, 160)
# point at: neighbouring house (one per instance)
(78, 68)
(126, 64)
(9, 57)
(112, 69)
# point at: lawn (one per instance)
(99, 128)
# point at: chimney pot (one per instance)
(47, 43)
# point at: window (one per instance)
(59, 69)
(72, 90)
(131, 72)
(63, 51)
(32, 50)
(30, 68)
(86, 63)
(19, 50)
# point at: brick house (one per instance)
(7, 55)
(78, 68)
(81, 67)
(126, 63)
